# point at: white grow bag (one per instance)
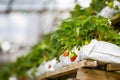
(46, 66)
(101, 51)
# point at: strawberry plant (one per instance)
(79, 31)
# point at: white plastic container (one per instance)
(101, 51)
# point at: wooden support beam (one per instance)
(75, 70)
(67, 69)
(89, 74)
(113, 67)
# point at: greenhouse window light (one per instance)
(5, 46)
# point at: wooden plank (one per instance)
(89, 74)
(68, 69)
(113, 67)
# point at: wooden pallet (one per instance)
(78, 71)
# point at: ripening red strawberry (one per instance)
(65, 54)
(49, 66)
(73, 58)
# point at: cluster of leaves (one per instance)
(82, 26)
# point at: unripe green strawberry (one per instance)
(110, 4)
(49, 66)
(86, 42)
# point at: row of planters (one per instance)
(81, 36)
